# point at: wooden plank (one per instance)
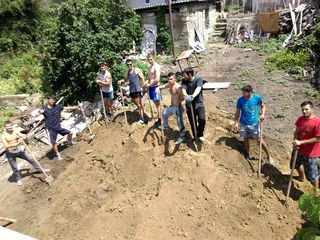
(215, 85)
(293, 18)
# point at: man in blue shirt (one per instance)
(52, 115)
(248, 111)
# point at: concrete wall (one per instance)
(187, 18)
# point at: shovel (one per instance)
(49, 178)
(91, 137)
(162, 132)
(104, 107)
(295, 155)
(260, 149)
(122, 99)
(194, 127)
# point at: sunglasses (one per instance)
(129, 65)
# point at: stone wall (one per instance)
(248, 20)
(187, 18)
(14, 101)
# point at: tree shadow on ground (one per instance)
(279, 181)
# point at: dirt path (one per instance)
(132, 187)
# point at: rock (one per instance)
(28, 190)
(186, 235)
(88, 151)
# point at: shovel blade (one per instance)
(49, 180)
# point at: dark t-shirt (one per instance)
(52, 116)
(190, 87)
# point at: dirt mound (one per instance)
(126, 185)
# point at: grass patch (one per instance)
(287, 60)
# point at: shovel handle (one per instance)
(85, 119)
(295, 155)
(29, 151)
(122, 99)
(104, 107)
(260, 149)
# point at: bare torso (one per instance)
(154, 74)
(11, 138)
(176, 94)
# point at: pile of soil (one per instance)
(126, 184)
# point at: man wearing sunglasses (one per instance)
(134, 76)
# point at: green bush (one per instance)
(20, 73)
(270, 46)
(286, 60)
(164, 43)
(82, 34)
(310, 205)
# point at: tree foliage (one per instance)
(164, 43)
(19, 22)
(310, 205)
(82, 34)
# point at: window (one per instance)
(147, 1)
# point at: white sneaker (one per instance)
(272, 161)
(179, 140)
(141, 121)
(19, 182)
(70, 143)
(59, 157)
(202, 139)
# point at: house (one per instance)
(193, 20)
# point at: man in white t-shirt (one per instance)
(104, 80)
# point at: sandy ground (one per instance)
(131, 186)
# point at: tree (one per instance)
(19, 21)
(82, 34)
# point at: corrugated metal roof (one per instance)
(137, 6)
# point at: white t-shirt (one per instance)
(102, 77)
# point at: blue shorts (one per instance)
(153, 95)
(53, 133)
(249, 131)
(310, 165)
(108, 95)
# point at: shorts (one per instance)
(310, 165)
(135, 95)
(53, 133)
(249, 131)
(108, 95)
(153, 94)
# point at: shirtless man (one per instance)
(134, 76)
(104, 80)
(176, 107)
(11, 140)
(152, 84)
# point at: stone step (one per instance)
(220, 29)
(221, 20)
(220, 25)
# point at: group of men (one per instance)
(250, 111)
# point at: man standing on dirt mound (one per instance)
(192, 90)
(104, 80)
(52, 115)
(248, 112)
(152, 84)
(134, 76)
(307, 140)
(11, 140)
(175, 107)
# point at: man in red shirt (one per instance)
(307, 140)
